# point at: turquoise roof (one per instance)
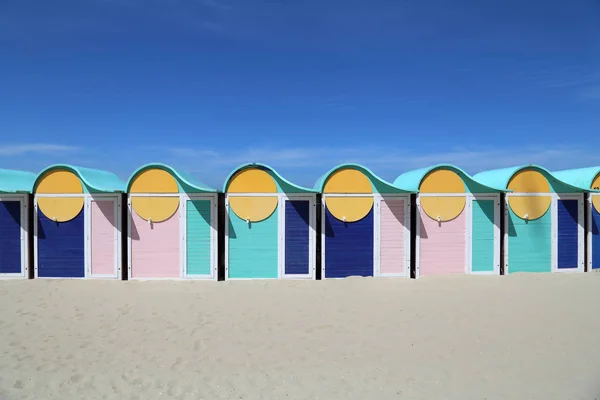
(283, 185)
(95, 180)
(580, 177)
(186, 182)
(412, 179)
(499, 178)
(12, 181)
(379, 185)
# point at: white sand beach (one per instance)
(461, 337)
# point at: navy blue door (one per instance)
(568, 238)
(348, 246)
(10, 237)
(61, 247)
(297, 229)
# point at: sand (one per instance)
(461, 337)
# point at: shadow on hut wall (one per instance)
(124, 237)
(413, 235)
(133, 235)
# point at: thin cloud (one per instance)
(35, 148)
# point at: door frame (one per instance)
(377, 234)
(312, 234)
(588, 233)
(184, 198)
(87, 199)
(281, 198)
(182, 215)
(377, 198)
(580, 232)
(469, 265)
(23, 199)
(469, 197)
(553, 229)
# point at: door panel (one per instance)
(297, 237)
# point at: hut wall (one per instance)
(442, 245)
(393, 233)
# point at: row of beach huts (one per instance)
(74, 222)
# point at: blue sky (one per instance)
(205, 85)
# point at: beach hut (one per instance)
(270, 225)
(458, 222)
(543, 225)
(78, 223)
(172, 231)
(365, 224)
(588, 179)
(15, 190)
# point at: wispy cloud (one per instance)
(581, 79)
(590, 93)
(35, 148)
(305, 164)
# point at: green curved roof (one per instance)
(187, 183)
(379, 184)
(499, 178)
(580, 177)
(12, 181)
(95, 180)
(412, 179)
(283, 185)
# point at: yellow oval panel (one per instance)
(447, 208)
(529, 181)
(252, 180)
(532, 206)
(349, 181)
(154, 181)
(352, 208)
(155, 208)
(61, 209)
(255, 209)
(443, 181)
(596, 198)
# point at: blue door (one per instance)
(60, 249)
(348, 246)
(10, 237)
(297, 237)
(568, 234)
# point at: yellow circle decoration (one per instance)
(532, 207)
(154, 181)
(155, 208)
(596, 198)
(60, 209)
(252, 180)
(348, 181)
(442, 207)
(350, 209)
(252, 208)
